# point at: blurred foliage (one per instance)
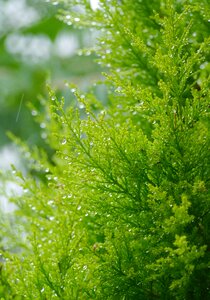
(35, 48)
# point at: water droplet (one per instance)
(49, 177)
(44, 135)
(42, 290)
(202, 66)
(76, 19)
(51, 218)
(85, 267)
(94, 4)
(141, 103)
(81, 105)
(63, 142)
(50, 202)
(53, 98)
(79, 207)
(118, 89)
(87, 53)
(43, 125)
(34, 113)
(68, 17)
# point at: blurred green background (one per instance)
(36, 48)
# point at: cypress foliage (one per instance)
(122, 208)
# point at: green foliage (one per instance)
(121, 208)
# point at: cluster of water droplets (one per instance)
(69, 19)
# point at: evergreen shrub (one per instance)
(120, 210)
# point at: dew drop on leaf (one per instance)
(81, 105)
(63, 142)
(34, 112)
(43, 125)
